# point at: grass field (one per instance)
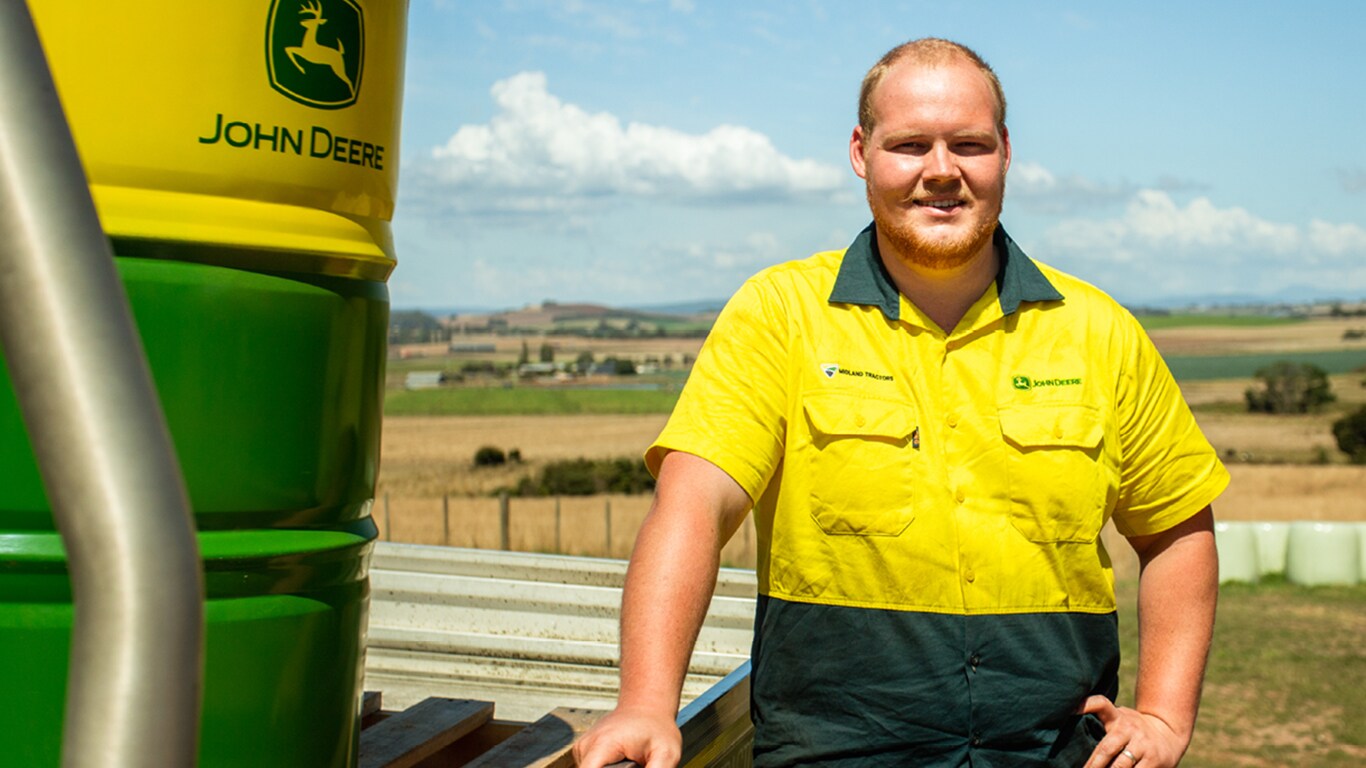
(1245, 366)
(1286, 684)
(530, 401)
(1186, 320)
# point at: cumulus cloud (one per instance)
(1162, 247)
(1353, 180)
(1038, 190)
(538, 153)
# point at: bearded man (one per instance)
(930, 429)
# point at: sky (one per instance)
(654, 152)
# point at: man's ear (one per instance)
(856, 158)
(1005, 143)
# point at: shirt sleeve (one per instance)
(732, 411)
(1168, 470)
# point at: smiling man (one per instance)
(931, 430)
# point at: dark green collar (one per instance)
(863, 278)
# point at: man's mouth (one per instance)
(943, 205)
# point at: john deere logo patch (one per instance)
(315, 51)
(1024, 382)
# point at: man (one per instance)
(931, 430)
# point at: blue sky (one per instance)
(644, 152)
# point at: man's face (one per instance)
(934, 164)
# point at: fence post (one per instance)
(503, 538)
(388, 531)
(607, 513)
(559, 550)
(445, 519)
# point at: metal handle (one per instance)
(133, 692)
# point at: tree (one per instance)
(1290, 388)
(547, 353)
(584, 362)
(1350, 432)
(489, 456)
(525, 356)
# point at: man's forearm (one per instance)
(1178, 589)
(670, 580)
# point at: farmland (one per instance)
(1282, 692)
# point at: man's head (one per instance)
(933, 149)
(927, 51)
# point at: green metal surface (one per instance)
(272, 388)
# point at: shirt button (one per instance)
(960, 496)
(970, 575)
(974, 660)
(860, 420)
(952, 420)
(976, 741)
(1057, 432)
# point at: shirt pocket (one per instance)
(1059, 479)
(859, 464)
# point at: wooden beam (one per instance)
(545, 743)
(403, 740)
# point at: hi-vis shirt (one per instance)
(932, 582)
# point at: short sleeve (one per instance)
(732, 411)
(1168, 470)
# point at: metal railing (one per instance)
(110, 472)
(528, 632)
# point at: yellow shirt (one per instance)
(897, 466)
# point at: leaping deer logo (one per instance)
(314, 52)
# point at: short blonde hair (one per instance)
(927, 51)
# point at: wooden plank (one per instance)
(545, 743)
(370, 703)
(406, 738)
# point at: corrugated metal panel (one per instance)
(528, 632)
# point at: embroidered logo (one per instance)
(1026, 383)
(831, 369)
(915, 438)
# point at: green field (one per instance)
(1155, 322)
(530, 401)
(1286, 684)
(1204, 367)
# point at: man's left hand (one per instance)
(1132, 738)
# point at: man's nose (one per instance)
(940, 164)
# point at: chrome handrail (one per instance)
(98, 433)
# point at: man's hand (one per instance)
(648, 739)
(1132, 738)
(1178, 586)
(669, 585)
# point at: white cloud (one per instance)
(1159, 248)
(1353, 180)
(538, 152)
(1337, 239)
(1038, 190)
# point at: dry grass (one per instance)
(1310, 335)
(431, 456)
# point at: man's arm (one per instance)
(1178, 588)
(669, 585)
